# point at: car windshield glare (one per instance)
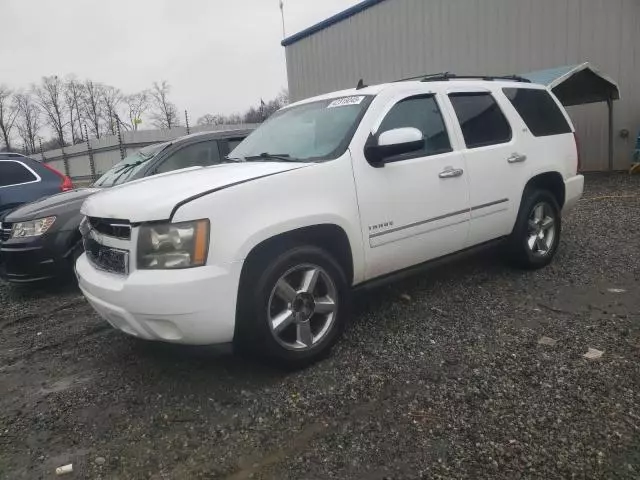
(313, 131)
(127, 168)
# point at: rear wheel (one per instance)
(295, 309)
(536, 235)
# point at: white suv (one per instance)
(329, 193)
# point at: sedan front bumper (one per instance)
(33, 259)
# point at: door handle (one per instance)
(516, 158)
(450, 172)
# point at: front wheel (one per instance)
(536, 235)
(295, 309)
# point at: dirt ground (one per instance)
(440, 376)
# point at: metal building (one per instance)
(385, 40)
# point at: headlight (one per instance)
(173, 245)
(32, 228)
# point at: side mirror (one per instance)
(391, 143)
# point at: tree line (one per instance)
(255, 114)
(71, 110)
(74, 109)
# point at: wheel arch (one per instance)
(328, 236)
(551, 181)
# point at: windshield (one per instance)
(310, 132)
(127, 168)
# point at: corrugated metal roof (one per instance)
(550, 75)
(338, 17)
(576, 84)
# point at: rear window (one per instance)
(481, 119)
(14, 173)
(539, 111)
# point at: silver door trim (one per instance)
(440, 217)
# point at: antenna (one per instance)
(361, 85)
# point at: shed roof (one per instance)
(577, 84)
(338, 17)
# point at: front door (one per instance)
(415, 208)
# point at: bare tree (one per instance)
(28, 120)
(210, 119)
(8, 114)
(165, 113)
(111, 100)
(50, 97)
(73, 95)
(92, 106)
(137, 104)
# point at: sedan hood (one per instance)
(154, 198)
(58, 204)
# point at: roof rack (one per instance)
(446, 76)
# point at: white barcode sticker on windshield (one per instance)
(346, 101)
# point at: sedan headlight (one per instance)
(173, 245)
(32, 228)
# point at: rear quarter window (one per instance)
(539, 111)
(15, 173)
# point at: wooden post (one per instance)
(92, 164)
(610, 106)
(122, 155)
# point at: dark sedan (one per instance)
(41, 240)
(23, 180)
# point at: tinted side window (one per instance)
(481, 119)
(234, 142)
(195, 155)
(422, 113)
(539, 111)
(14, 173)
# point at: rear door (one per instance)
(18, 184)
(496, 167)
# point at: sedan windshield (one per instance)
(126, 169)
(313, 131)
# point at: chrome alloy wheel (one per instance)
(542, 229)
(302, 307)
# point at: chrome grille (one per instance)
(5, 232)
(109, 259)
(111, 227)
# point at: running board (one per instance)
(428, 265)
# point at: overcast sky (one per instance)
(219, 56)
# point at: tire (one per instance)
(536, 235)
(288, 325)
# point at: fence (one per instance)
(86, 161)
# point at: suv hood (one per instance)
(58, 204)
(154, 198)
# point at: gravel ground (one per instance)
(440, 376)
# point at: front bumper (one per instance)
(573, 188)
(37, 258)
(193, 306)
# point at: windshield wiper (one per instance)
(228, 159)
(283, 157)
(125, 169)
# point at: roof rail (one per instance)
(446, 76)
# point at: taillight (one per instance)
(579, 164)
(66, 184)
